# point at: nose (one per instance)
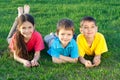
(26, 30)
(65, 36)
(89, 29)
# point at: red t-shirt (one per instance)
(34, 44)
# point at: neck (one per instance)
(26, 39)
(90, 41)
(64, 45)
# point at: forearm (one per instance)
(68, 59)
(82, 60)
(98, 56)
(17, 58)
(36, 56)
(97, 60)
(58, 60)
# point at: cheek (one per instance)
(70, 37)
(84, 31)
(32, 30)
(59, 36)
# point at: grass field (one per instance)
(46, 14)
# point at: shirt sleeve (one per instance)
(39, 43)
(11, 45)
(101, 47)
(74, 50)
(80, 47)
(53, 51)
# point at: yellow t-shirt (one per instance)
(98, 47)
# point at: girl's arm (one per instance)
(36, 56)
(34, 62)
(21, 60)
(68, 59)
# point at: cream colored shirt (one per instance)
(98, 46)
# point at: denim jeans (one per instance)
(49, 39)
(12, 31)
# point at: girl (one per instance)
(13, 28)
(25, 41)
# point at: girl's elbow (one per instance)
(15, 57)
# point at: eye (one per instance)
(30, 27)
(69, 34)
(23, 27)
(93, 27)
(62, 34)
(85, 27)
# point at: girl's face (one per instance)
(26, 29)
(89, 29)
(65, 36)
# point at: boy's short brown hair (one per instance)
(66, 24)
(87, 18)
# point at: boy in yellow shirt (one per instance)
(90, 42)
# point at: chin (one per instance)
(66, 43)
(27, 36)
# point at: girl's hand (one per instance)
(88, 64)
(34, 63)
(27, 63)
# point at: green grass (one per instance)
(46, 14)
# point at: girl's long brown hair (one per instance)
(20, 45)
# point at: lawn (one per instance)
(47, 13)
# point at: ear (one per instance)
(34, 26)
(56, 33)
(81, 31)
(96, 28)
(18, 29)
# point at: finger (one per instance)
(37, 64)
(93, 65)
(33, 64)
(27, 65)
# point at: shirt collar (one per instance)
(60, 46)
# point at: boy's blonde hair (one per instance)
(87, 18)
(66, 24)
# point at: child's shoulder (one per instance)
(36, 33)
(56, 40)
(80, 36)
(72, 42)
(98, 34)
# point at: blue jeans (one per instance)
(49, 39)
(12, 31)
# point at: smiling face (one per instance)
(65, 36)
(89, 29)
(26, 29)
